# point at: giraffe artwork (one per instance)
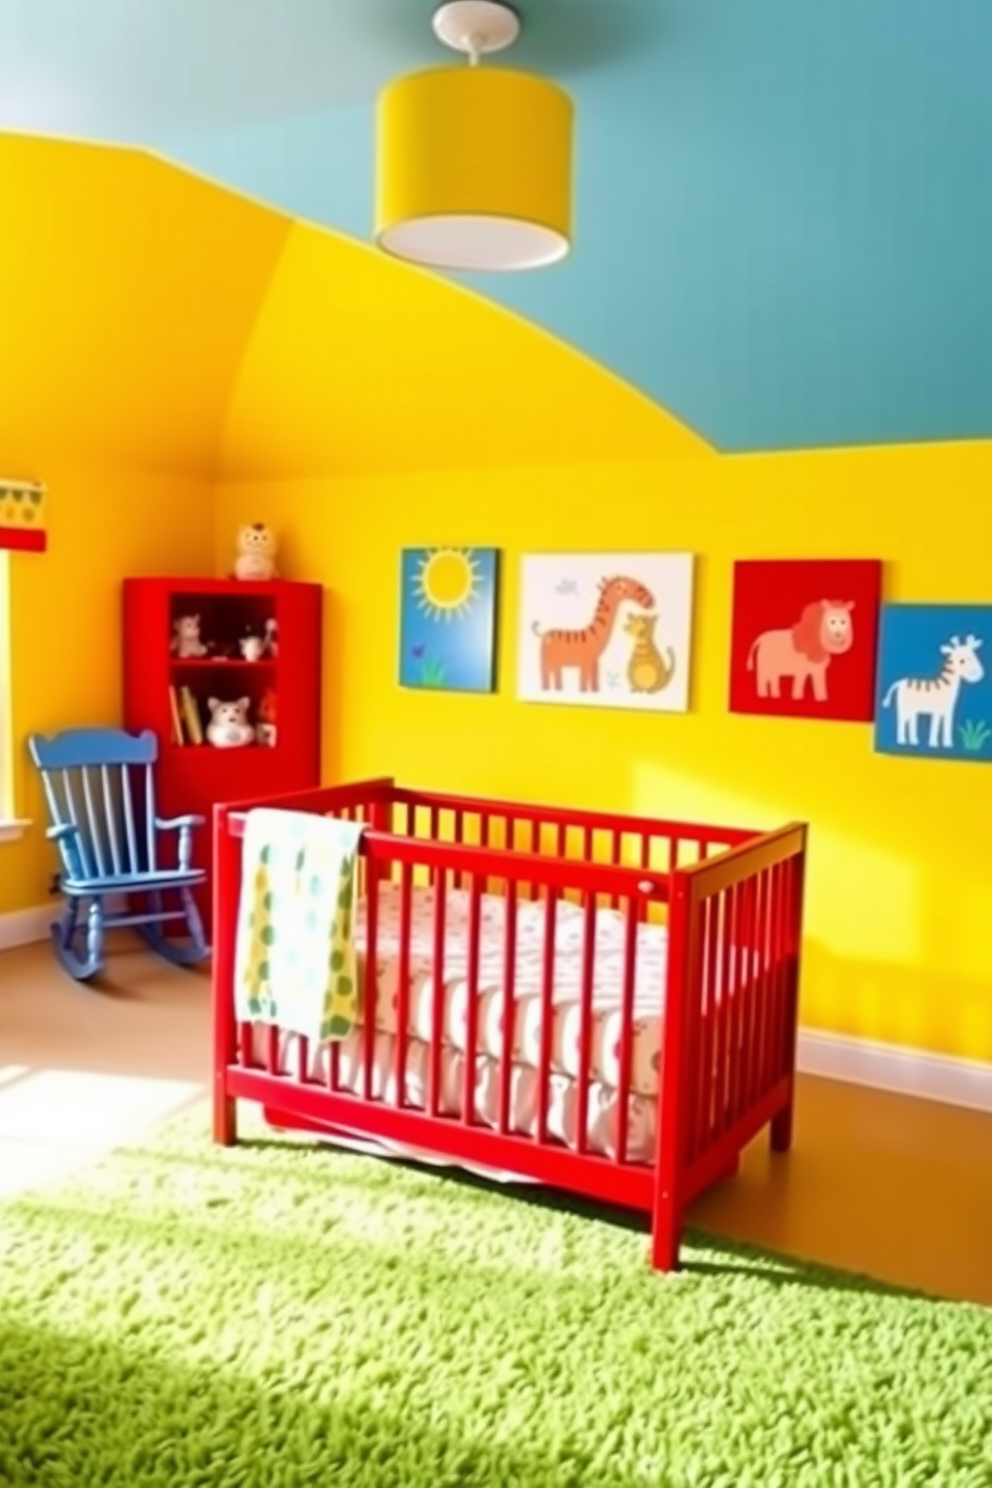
(935, 682)
(590, 624)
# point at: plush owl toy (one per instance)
(256, 558)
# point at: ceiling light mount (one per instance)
(476, 27)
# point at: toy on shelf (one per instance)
(265, 728)
(186, 640)
(256, 556)
(272, 637)
(229, 727)
(252, 647)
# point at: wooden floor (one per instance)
(898, 1188)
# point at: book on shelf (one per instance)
(177, 725)
(191, 716)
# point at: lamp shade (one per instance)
(474, 169)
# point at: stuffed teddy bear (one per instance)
(256, 557)
(186, 640)
(229, 727)
(265, 729)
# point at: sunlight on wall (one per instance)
(883, 925)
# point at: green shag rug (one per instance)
(286, 1314)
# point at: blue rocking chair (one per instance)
(100, 788)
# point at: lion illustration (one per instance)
(803, 652)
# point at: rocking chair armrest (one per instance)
(60, 833)
(177, 823)
(184, 825)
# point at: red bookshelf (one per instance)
(195, 777)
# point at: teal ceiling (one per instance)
(784, 207)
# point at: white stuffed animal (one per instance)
(186, 638)
(229, 727)
(256, 557)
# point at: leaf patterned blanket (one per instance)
(295, 960)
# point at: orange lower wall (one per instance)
(104, 524)
(900, 894)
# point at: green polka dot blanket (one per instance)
(295, 962)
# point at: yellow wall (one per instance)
(65, 610)
(900, 892)
(127, 292)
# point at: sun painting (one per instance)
(448, 618)
(448, 582)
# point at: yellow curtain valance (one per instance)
(22, 515)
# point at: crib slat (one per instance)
(472, 995)
(767, 973)
(585, 1017)
(645, 862)
(272, 1049)
(707, 1078)
(769, 1064)
(370, 991)
(303, 1060)
(757, 987)
(246, 1045)
(627, 1027)
(459, 835)
(616, 855)
(673, 853)
(437, 991)
(533, 847)
(403, 985)
(735, 1020)
(721, 1010)
(748, 939)
(547, 1014)
(509, 1006)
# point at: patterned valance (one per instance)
(22, 515)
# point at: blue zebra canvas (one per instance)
(935, 681)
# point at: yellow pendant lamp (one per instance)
(474, 165)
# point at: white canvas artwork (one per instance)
(606, 630)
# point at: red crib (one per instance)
(728, 903)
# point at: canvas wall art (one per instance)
(935, 681)
(448, 618)
(804, 640)
(609, 630)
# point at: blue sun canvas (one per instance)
(935, 681)
(448, 619)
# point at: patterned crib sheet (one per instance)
(607, 992)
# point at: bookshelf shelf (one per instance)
(220, 663)
(195, 776)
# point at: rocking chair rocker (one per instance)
(100, 788)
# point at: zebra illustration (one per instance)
(936, 697)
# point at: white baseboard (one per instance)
(957, 1082)
(25, 926)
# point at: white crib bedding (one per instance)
(607, 991)
(603, 1108)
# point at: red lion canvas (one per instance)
(805, 638)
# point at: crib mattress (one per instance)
(607, 992)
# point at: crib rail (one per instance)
(728, 1037)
